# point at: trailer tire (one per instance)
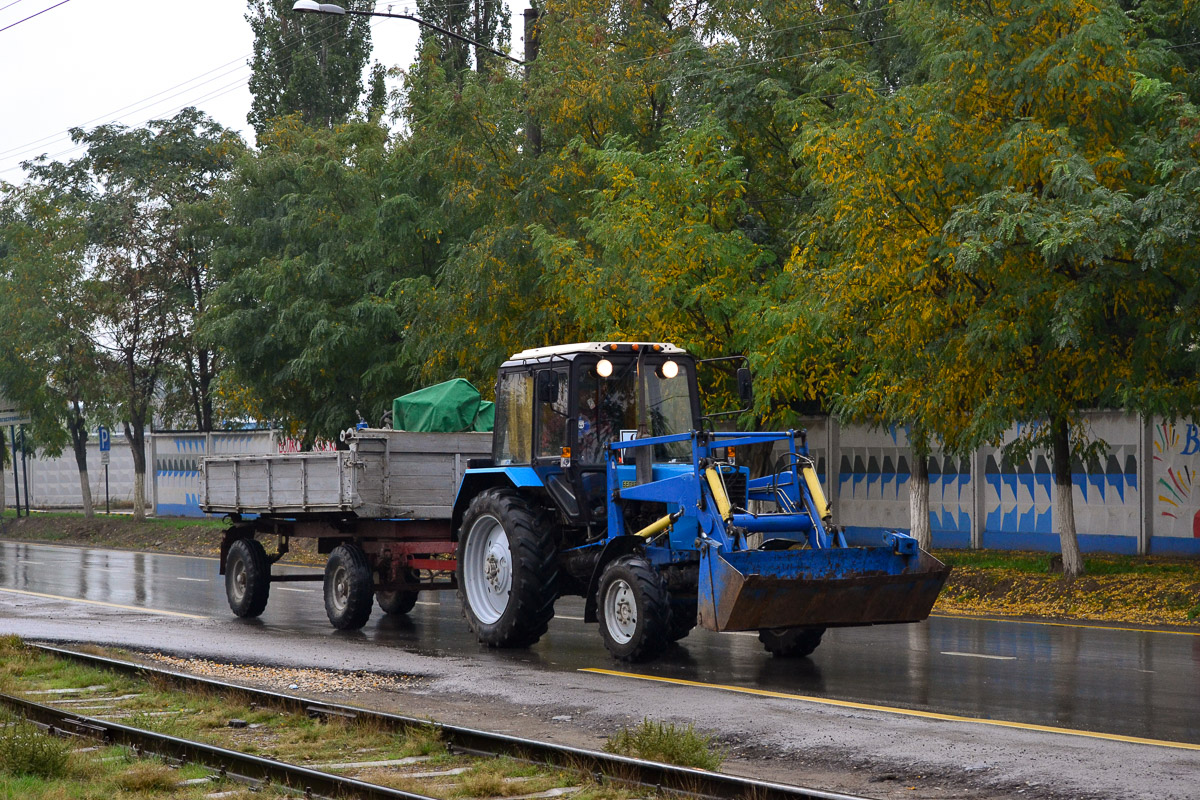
(634, 609)
(247, 578)
(349, 587)
(791, 642)
(507, 569)
(396, 602)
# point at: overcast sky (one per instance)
(89, 62)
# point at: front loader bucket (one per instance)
(753, 589)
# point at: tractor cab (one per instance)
(559, 408)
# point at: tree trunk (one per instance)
(1064, 502)
(918, 497)
(136, 436)
(78, 429)
(3, 464)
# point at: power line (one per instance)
(211, 95)
(33, 145)
(10, 5)
(31, 16)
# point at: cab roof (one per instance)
(598, 348)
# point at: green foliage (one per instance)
(25, 750)
(320, 230)
(306, 64)
(666, 743)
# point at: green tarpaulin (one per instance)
(448, 407)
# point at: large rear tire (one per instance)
(791, 642)
(507, 569)
(349, 587)
(247, 577)
(634, 609)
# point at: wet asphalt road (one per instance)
(1130, 683)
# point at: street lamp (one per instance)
(313, 7)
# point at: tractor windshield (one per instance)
(608, 407)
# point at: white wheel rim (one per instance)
(620, 611)
(239, 579)
(487, 569)
(341, 587)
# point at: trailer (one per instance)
(380, 509)
(602, 479)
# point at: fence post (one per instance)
(1145, 460)
(978, 499)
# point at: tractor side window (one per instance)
(553, 390)
(514, 418)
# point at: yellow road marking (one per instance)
(102, 603)
(908, 712)
(1064, 624)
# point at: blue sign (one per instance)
(105, 440)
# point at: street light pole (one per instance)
(313, 7)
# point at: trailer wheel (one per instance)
(791, 642)
(507, 570)
(247, 577)
(349, 587)
(396, 602)
(634, 609)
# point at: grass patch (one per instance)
(1097, 564)
(26, 751)
(660, 741)
(147, 776)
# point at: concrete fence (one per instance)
(1142, 497)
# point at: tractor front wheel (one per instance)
(634, 609)
(507, 569)
(791, 642)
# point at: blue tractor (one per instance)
(607, 482)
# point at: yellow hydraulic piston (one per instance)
(659, 525)
(717, 487)
(814, 488)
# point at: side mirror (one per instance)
(547, 386)
(745, 386)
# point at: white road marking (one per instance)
(142, 609)
(979, 655)
(193, 580)
(291, 589)
(564, 616)
(425, 603)
(27, 561)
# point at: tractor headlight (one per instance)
(668, 369)
(604, 368)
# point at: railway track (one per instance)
(596, 765)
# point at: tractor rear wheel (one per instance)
(247, 577)
(349, 587)
(791, 642)
(634, 609)
(507, 569)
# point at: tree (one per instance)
(482, 21)
(136, 192)
(320, 231)
(306, 64)
(981, 263)
(51, 364)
